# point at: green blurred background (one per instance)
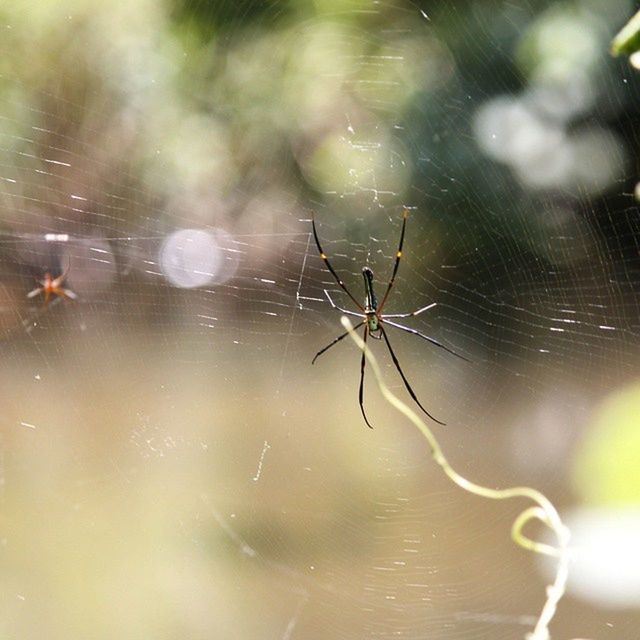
(171, 464)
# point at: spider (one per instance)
(51, 286)
(374, 320)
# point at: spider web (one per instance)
(172, 464)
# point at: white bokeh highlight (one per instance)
(191, 258)
(543, 152)
(605, 568)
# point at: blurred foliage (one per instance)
(235, 114)
(210, 17)
(606, 468)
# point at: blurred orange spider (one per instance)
(51, 286)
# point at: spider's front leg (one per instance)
(413, 313)
(345, 311)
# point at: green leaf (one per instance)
(627, 41)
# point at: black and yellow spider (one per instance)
(373, 319)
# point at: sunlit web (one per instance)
(179, 385)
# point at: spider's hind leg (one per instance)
(404, 379)
(363, 362)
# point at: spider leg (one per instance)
(60, 279)
(404, 379)
(328, 264)
(405, 214)
(67, 293)
(345, 311)
(413, 313)
(424, 337)
(340, 337)
(363, 361)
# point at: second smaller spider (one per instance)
(50, 287)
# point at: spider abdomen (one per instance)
(370, 300)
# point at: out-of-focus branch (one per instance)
(627, 40)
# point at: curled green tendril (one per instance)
(543, 511)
